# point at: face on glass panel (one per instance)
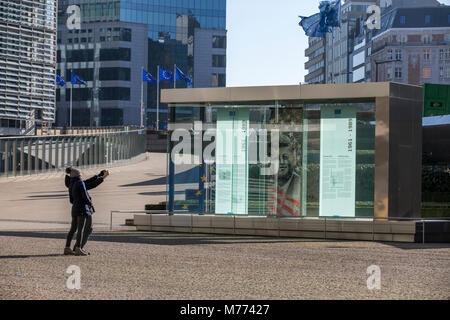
(287, 162)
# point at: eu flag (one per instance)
(60, 81)
(181, 76)
(77, 79)
(165, 75)
(323, 22)
(147, 77)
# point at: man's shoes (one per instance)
(68, 251)
(80, 252)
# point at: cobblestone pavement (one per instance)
(145, 265)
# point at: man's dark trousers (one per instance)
(84, 226)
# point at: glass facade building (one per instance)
(350, 151)
(181, 32)
(27, 64)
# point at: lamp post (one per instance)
(382, 62)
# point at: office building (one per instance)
(417, 41)
(27, 65)
(119, 38)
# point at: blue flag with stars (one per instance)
(181, 76)
(77, 79)
(325, 21)
(59, 81)
(165, 75)
(147, 77)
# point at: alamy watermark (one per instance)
(74, 280)
(374, 280)
(373, 22)
(74, 20)
(251, 144)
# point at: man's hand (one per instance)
(106, 174)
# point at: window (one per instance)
(426, 73)
(398, 54)
(218, 61)
(426, 54)
(219, 42)
(402, 19)
(427, 19)
(106, 74)
(86, 74)
(218, 80)
(114, 93)
(441, 72)
(447, 72)
(398, 72)
(389, 73)
(119, 54)
(79, 94)
(402, 39)
(80, 55)
(125, 35)
(444, 54)
(102, 39)
(426, 38)
(389, 54)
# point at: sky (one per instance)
(266, 46)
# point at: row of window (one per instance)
(444, 72)
(427, 19)
(425, 38)
(86, 55)
(105, 74)
(85, 94)
(444, 54)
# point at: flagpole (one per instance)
(71, 93)
(175, 76)
(157, 99)
(142, 97)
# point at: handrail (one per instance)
(68, 135)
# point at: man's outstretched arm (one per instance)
(93, 182)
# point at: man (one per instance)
(82, 208)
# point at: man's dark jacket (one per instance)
(79, 197)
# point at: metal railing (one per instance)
(371, 220)
(25, 155)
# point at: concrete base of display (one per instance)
(330, 228)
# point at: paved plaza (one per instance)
(42, 201)
(135, 265)
(126, 264)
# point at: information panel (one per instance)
(337, 161)
(232, 161)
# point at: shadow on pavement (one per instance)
(32, 256)
(189, 176)
(158, 238)
(177, 239)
